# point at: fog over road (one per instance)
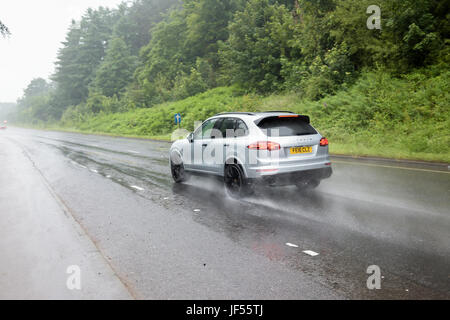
(109, 205)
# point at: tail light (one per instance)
(323, 142)
(264, 145)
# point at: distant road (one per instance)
(109, 205)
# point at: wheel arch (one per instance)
(232, 159)
(177, 152)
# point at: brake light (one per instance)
(323, 142)
(264, 145)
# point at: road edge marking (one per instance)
(391, 167)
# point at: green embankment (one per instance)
(402, 118)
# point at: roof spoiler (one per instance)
(301, 117)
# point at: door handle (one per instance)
(226, 145)
(204, 145)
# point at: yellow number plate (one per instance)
(297, 150)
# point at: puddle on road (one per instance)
(121, 172)
(160, 157)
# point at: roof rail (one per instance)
(277, 111)
(248, 113)
(254, 113)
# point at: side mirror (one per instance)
(190, 137)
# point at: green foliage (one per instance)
(36, 87)
(35, 105)
(82, 53)
(321, 45)
(384, 116)
(147, 59)
(207, 22)
(184, 44)
(159, 119)
(136, 19)
(188, 85)
(413, 32)
(164, 57)
(313, 48)
(258, 41)
(116, 70)
(379, 115)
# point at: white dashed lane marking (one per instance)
(79, 165)
(311, 253)
(291, 245)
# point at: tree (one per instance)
(418, 29)
(137, 20)
(83, 51)
(36, 87)
(35, 102)
(4, 31)
(116, 70)
(252, 55)
(207, 24)
(164, 57)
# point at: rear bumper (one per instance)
(292, 178)
(287, 166)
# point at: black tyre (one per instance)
(178, 173)
(236, 184)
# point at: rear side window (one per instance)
(285, 126)
(232, 128)
(241, 128)
(227, 127)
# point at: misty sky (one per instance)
(38, 28)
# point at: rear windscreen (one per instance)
(288, 126)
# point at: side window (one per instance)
(206, 127)
(205, 130)
(227, 127)
(216, 133)
(198, 133)
(241, 128)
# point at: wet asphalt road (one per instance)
(190, 241)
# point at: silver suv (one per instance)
(275, 147)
